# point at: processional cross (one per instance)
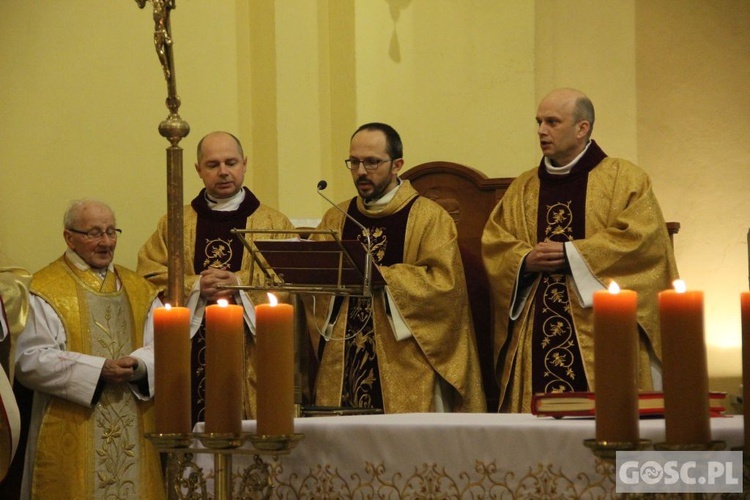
(173, 128)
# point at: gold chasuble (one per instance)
(625, 239)
(208, 242)
(152, 257)
(364, 362)
(99, 451)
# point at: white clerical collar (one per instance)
(81, 264)
(384, 200)
(553, 170)
(227, 204)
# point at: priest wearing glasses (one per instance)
(86, 352)
(410, 347)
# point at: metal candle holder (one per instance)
(607, 450)
(185, 479)
(710, 446)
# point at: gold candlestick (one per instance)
(714, 445)
(607, 450)
(185, 479)
(274, 445)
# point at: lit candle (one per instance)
(224, 368)
(615, 365)
(274, 338)
(172, 369)
(685, 371)
(745, 302)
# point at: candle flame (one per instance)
(272, 300)
(679, 286)
(614, 287)
(167, 306)
(222, 302)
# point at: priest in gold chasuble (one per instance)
(14, 309)
(410, 347)
(86, 353)
(214, 256)
(562, 231)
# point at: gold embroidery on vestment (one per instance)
(218, 254)
(558, 341)
(116, 429)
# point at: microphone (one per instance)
(368, 249)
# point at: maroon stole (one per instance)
(556, 360)
(215, 246)
(361, 385)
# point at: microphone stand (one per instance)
(367, 285)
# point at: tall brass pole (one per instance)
(173, 128)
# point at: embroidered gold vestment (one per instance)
(429, 290)
(99, 451)
(152, 264)
(626, 241)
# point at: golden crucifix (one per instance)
(173, 128)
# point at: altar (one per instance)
(449, 455)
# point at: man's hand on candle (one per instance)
(547, 256)
(120, 370)
(212, 278)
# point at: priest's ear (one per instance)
(397, 164)
(583, 129)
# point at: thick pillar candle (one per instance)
(274, 338)
(745, 303)
(172, 369)
(615, 365)
(225, 374)
(685, 370)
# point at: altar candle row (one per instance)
(684, 365)
(225, 373)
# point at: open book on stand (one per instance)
(581, 404)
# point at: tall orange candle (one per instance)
(274, 338)
(616, 365)
(745, 303)
(172, 369)
(224, 368)
(685, 369)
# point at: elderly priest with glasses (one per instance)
(86, 354)
(410, 347)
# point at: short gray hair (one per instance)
(74, 209)
(584, 111)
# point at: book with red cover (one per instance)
(581, 404)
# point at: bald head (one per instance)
(565, 120)
(218, 135)
(221, 165)
(577, 102)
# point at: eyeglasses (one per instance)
(97, 234)
(370, 164)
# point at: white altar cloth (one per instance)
(449, 455)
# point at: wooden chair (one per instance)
(469, 196)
